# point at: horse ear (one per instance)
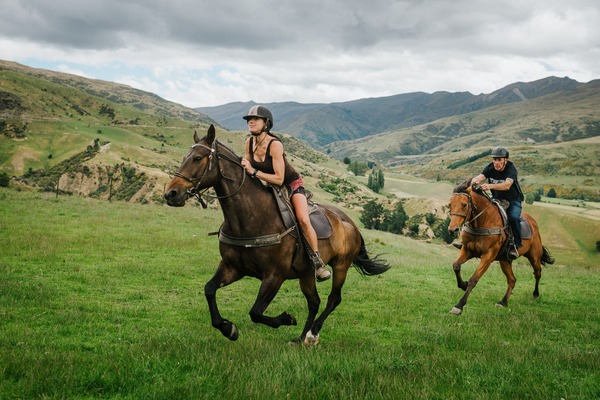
(210, 136)
(196, 138)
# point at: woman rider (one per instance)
(265, 159)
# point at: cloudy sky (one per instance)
(212, 52)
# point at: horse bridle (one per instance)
(214, 150)
(470, 209)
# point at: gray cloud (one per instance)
(207, 52)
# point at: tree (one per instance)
(396, 220)
(380, 178)
(373, 183)
(372, 215)
(442, 231)
(598, 245)
(414, 229)
(358, 168)
(430, 218)
(552, 193)
(347, 160)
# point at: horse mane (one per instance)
(462, 187)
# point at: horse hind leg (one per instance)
(510, 281)
(537, 273)
(309, 289)
(334, 300)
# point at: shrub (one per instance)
(4, 179)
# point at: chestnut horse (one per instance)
(484, 235)
(250, 217)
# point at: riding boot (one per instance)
(513, 252)
(457, 244)
(321, 273)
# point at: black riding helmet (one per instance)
(500, 152)
(260, 112)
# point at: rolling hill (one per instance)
(61, 131)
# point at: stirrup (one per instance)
(513, 252)
(321, 273)
(316, 261)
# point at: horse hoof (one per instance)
(310, 339)
(295, 341)
(233, 335)
(500, 305)
(287, 319)
(456, 311)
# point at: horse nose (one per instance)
(170, 195)
(453, 231)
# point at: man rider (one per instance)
(502, 181)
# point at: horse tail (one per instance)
(367, 265)
(546, 257)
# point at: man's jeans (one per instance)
(514, 217)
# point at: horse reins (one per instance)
(194, 192)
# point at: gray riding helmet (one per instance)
(261, 112)
(500, 152)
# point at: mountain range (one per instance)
(336, 127)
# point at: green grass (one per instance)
(105, 300)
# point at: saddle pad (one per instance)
(525, 229)
(317, 219)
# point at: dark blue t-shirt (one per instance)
(510, 171)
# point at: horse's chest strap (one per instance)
(483, 232)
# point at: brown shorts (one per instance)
(297, 186)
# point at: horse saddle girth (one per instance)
(318, 220)
(502, 206)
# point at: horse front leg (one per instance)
(223, 277)
(463, 257)
(268, 289)
(484, 264)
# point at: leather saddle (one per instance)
(502, 207)
(318, 220)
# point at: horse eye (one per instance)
(197, 158)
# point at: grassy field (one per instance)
(105, 300)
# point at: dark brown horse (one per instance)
(251, 217)
(484, 235)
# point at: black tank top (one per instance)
(266, 166)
